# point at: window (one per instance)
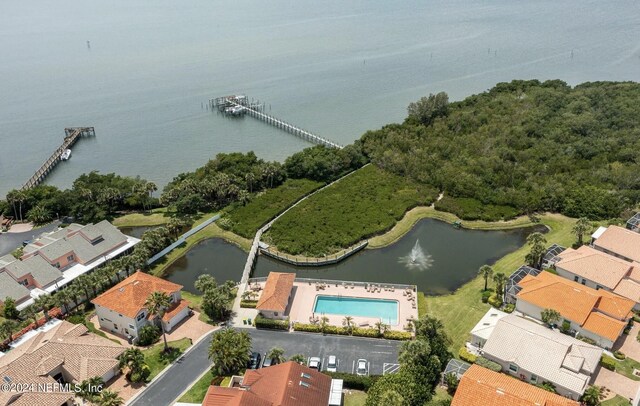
(534, 378)
(584, 281)
(70, 258)
(598, 287)
(24, 282)
(140, 316)
(131, 327)
(57, 265)
(513, 368)
(275, 314)
(575, 279)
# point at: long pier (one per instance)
(240, 105)
(71, 135)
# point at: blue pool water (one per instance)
(387, 310)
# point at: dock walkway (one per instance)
(72, 134)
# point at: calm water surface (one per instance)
(337, 68)
(453, 258)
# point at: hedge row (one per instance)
(608, 362)
(351, 381)
(248, 304)
(467, 356)
(472, 209)
(356, 331)
(262, 322)
(483, 362)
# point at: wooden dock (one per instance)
(240, 105)
(71, 135)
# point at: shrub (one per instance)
(365, 332)
(495, 301)
(619, 355)
(486, 295)
(608, 362)
(76, 319)
(472, 209)
(148, 335)
(141, 375)
(483, 362)
(309, 328)
(509, 308)
(397, 335)
(586, 340)
(248, 304)
(263, 322)
(352, 381)
(566, 326)
(467, 356)
(636, 317)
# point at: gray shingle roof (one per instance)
(10, 288)
(546, 353)
(41, 271)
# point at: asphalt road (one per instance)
(380, 354)
(11, 241)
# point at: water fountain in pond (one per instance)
(417, 259)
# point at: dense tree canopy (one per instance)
(531, 145)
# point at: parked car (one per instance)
(332, 364)
(268, 361)
(315, 363)
(362, 368)
(254, 360)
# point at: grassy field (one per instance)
(210, 231)
(246, 220)
(626, 366)
(196, 393)
(157, 361)
(366, 203)
(461, 310)
(355, 398)
(418, 213)
(155, 217)
(616, 401)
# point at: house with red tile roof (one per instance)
(480, 386)
(617, 241)
(121, 309)
(274, 300)
(287, 384)
(599, 270)
(596, 314)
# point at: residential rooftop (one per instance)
(619, 241)
(480, 386)
(277, 289)
(552, 356)
(597, 266)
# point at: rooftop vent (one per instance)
(303, 375)
(6, 379)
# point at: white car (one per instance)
(362, 369)
(332, 364)
(315, 363)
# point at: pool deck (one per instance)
(304, 297)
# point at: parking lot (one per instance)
(381, 355)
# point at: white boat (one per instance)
(66, 155)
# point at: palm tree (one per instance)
(110, 398)
(381, 327)
(229, 351)
(131, 360)
(62, 298)
(348, 323)
(43, 303)
(550, 316)
(126, 263)
(175, 226)
(500, 280)
(243, 197)
(250, 178)
(205, 282)
(324, 322)
(90, 388)
(582, 227)
(592, 395)
(487, 272)
(74, 293)
(30, 313)
(93, 280)
(39, 215)
(7, 328)
(277, 354)
(82, 284)
(299, 358)
(156, 304)
(537, 243)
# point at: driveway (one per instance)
(11, 241)
(628, 344)
(616, 383)
(182, 374)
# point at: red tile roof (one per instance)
(480, 386)
(287, 384)
(128, 297)
(277, 289)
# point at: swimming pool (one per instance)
(384, 309)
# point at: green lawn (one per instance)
(195, 302)
(355, 398)
(626, 366)
(461, 310)
(198, 390)
(246, 220)
(368, 202)
(157, 361)
(617, 401)
(441, 394)
(155, 217)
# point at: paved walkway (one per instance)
(617, 383)
(628, 344)
(11, 241)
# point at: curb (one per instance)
(174, 401)
(166, 369)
